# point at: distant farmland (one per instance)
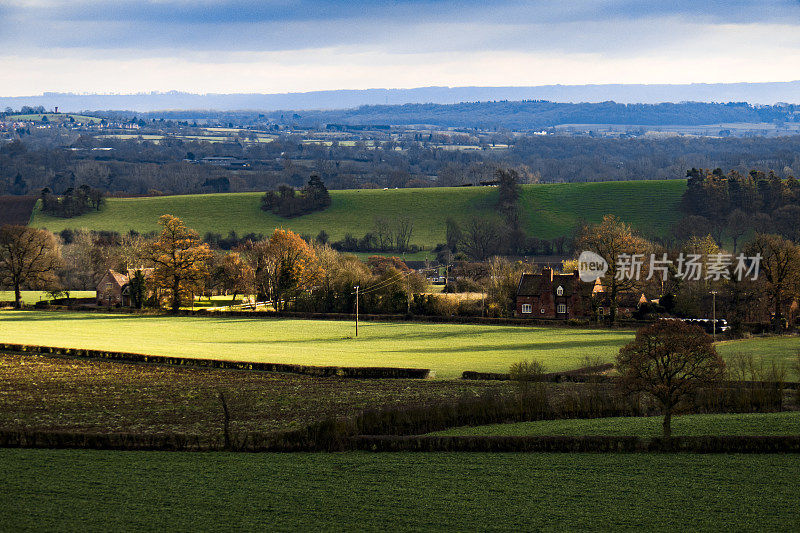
(16, 209)
(548, 210)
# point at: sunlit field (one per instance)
(447, 349)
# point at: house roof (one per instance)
(121, 279)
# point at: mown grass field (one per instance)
(31, 297)
(549, 210)
(70, 490)
(447, 349)
(786, 423)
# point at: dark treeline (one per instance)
(518, 115)
(60, 159)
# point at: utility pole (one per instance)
(714, 314)
(356, 310)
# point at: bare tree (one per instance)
(669, 360)
(402, 233)
(29, 257)
(382, 229)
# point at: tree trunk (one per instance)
(17, 297)
(778, 316)
(612, 315)
(667, 424)
(176, 296)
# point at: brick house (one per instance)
(551, 295)
(113, 288)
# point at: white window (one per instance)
(562, 308)
(527, 308)
(542, 310)
(560, 291)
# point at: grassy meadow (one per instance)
(69, 490)
(447, 349)
(781, 350)
(31, 297)
(785, 423)
(549, 210)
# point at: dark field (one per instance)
(52, 394)
(71, 490)
(16, 209)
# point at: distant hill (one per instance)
(549, 210)
(755, 93)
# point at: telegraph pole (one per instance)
(714, 314)
(357, 286)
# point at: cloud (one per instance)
(281, 45)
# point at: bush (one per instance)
(532, 370)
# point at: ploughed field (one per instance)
(447, 349)
(42, 393)
(145, 491)
(547, 210)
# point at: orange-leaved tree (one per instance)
(180, 261)
(288, 266)
(612, 239)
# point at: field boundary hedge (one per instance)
(391, 443)
(578, 375)
(308, 370)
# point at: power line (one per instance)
(384, 283)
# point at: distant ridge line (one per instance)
(762, 93)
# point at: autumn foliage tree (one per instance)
(669, 361)
(235, 275)
(610, 239)
(180, 261)
(29, 257)
(285, 266)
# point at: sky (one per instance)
(273, 46)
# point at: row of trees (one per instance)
(770, 297)
(174, 266)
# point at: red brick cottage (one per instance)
(113, 288)
(551, 295)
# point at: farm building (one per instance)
(551, 295)
(113, 290)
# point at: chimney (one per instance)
(547, 273)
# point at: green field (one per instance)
(53, 117)
(783, 351)
(786, 423)
(31, 297)
(549, 211)
(72, 490)
(448, 349)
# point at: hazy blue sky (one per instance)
(278, 46)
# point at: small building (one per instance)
(551, 295)
(110, 288)
(113, 290)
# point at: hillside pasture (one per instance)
(548, 210)
(53, 118)
(447, 349)
(70, 490)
